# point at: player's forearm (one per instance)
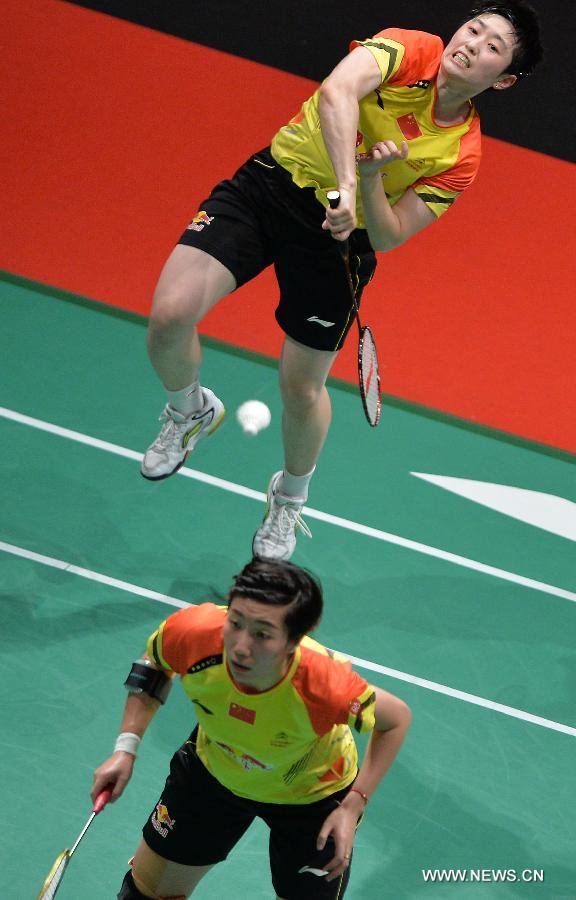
(339, 123)
(380, 753)
(138, 713)
(383, 225)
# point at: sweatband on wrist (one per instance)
(128, 742)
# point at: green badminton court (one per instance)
(465, 611)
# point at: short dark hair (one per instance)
(282, 584)
(528, 49)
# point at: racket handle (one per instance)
(333, 199)
(102, 799)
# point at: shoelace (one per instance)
(288, 519)
(168, 436)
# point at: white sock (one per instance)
(188, 400)
(295, 486)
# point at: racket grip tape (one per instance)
(102, 799)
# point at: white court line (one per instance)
(366, 530)
(361, 663)
(91, 576)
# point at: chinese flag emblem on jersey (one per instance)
(409, 126)
(240, 712)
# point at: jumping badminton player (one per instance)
(394, 130)
(276, 712)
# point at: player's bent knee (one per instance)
(173, 311)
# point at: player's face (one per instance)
(478, 55)
(256, 643)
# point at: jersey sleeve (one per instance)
(361, 710)
(189, 636)
(437, 198)
(387, 52)
(333, 692)
(404, 56)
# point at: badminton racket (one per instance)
(368, 374)
(56, 873)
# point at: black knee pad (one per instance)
(129, 891)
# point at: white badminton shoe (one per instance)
(276, 537)
(179, 436)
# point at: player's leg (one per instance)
(223, 247)
(305, 423)
(194, 826)
(154, 877)
(191, 283)
(315, 312)
(307, 408)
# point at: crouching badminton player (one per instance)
(276, 711)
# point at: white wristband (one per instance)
(127, 742)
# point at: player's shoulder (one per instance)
(421, 56)
(326, 670)
(204, 616)
(192, 633)
(332, 692)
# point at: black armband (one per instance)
(145, 679)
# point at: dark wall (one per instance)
(308, 39)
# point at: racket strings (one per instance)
(52, 883)
(369, 377)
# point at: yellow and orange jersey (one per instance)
(290, 744)
(442, 160)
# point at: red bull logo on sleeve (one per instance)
(200, 221)
(161, 820)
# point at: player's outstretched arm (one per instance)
(139, 711)
(392, 720)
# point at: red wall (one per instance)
(113, 134)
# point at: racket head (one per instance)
(369, 376)
(55, 876)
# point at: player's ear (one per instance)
(505, 82)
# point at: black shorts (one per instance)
(197, 821)
(260, 217)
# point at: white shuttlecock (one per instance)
(253, 416)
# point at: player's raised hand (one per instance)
(379, 155)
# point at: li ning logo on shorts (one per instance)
(161, 820)
(323, 322)
(199, 221)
